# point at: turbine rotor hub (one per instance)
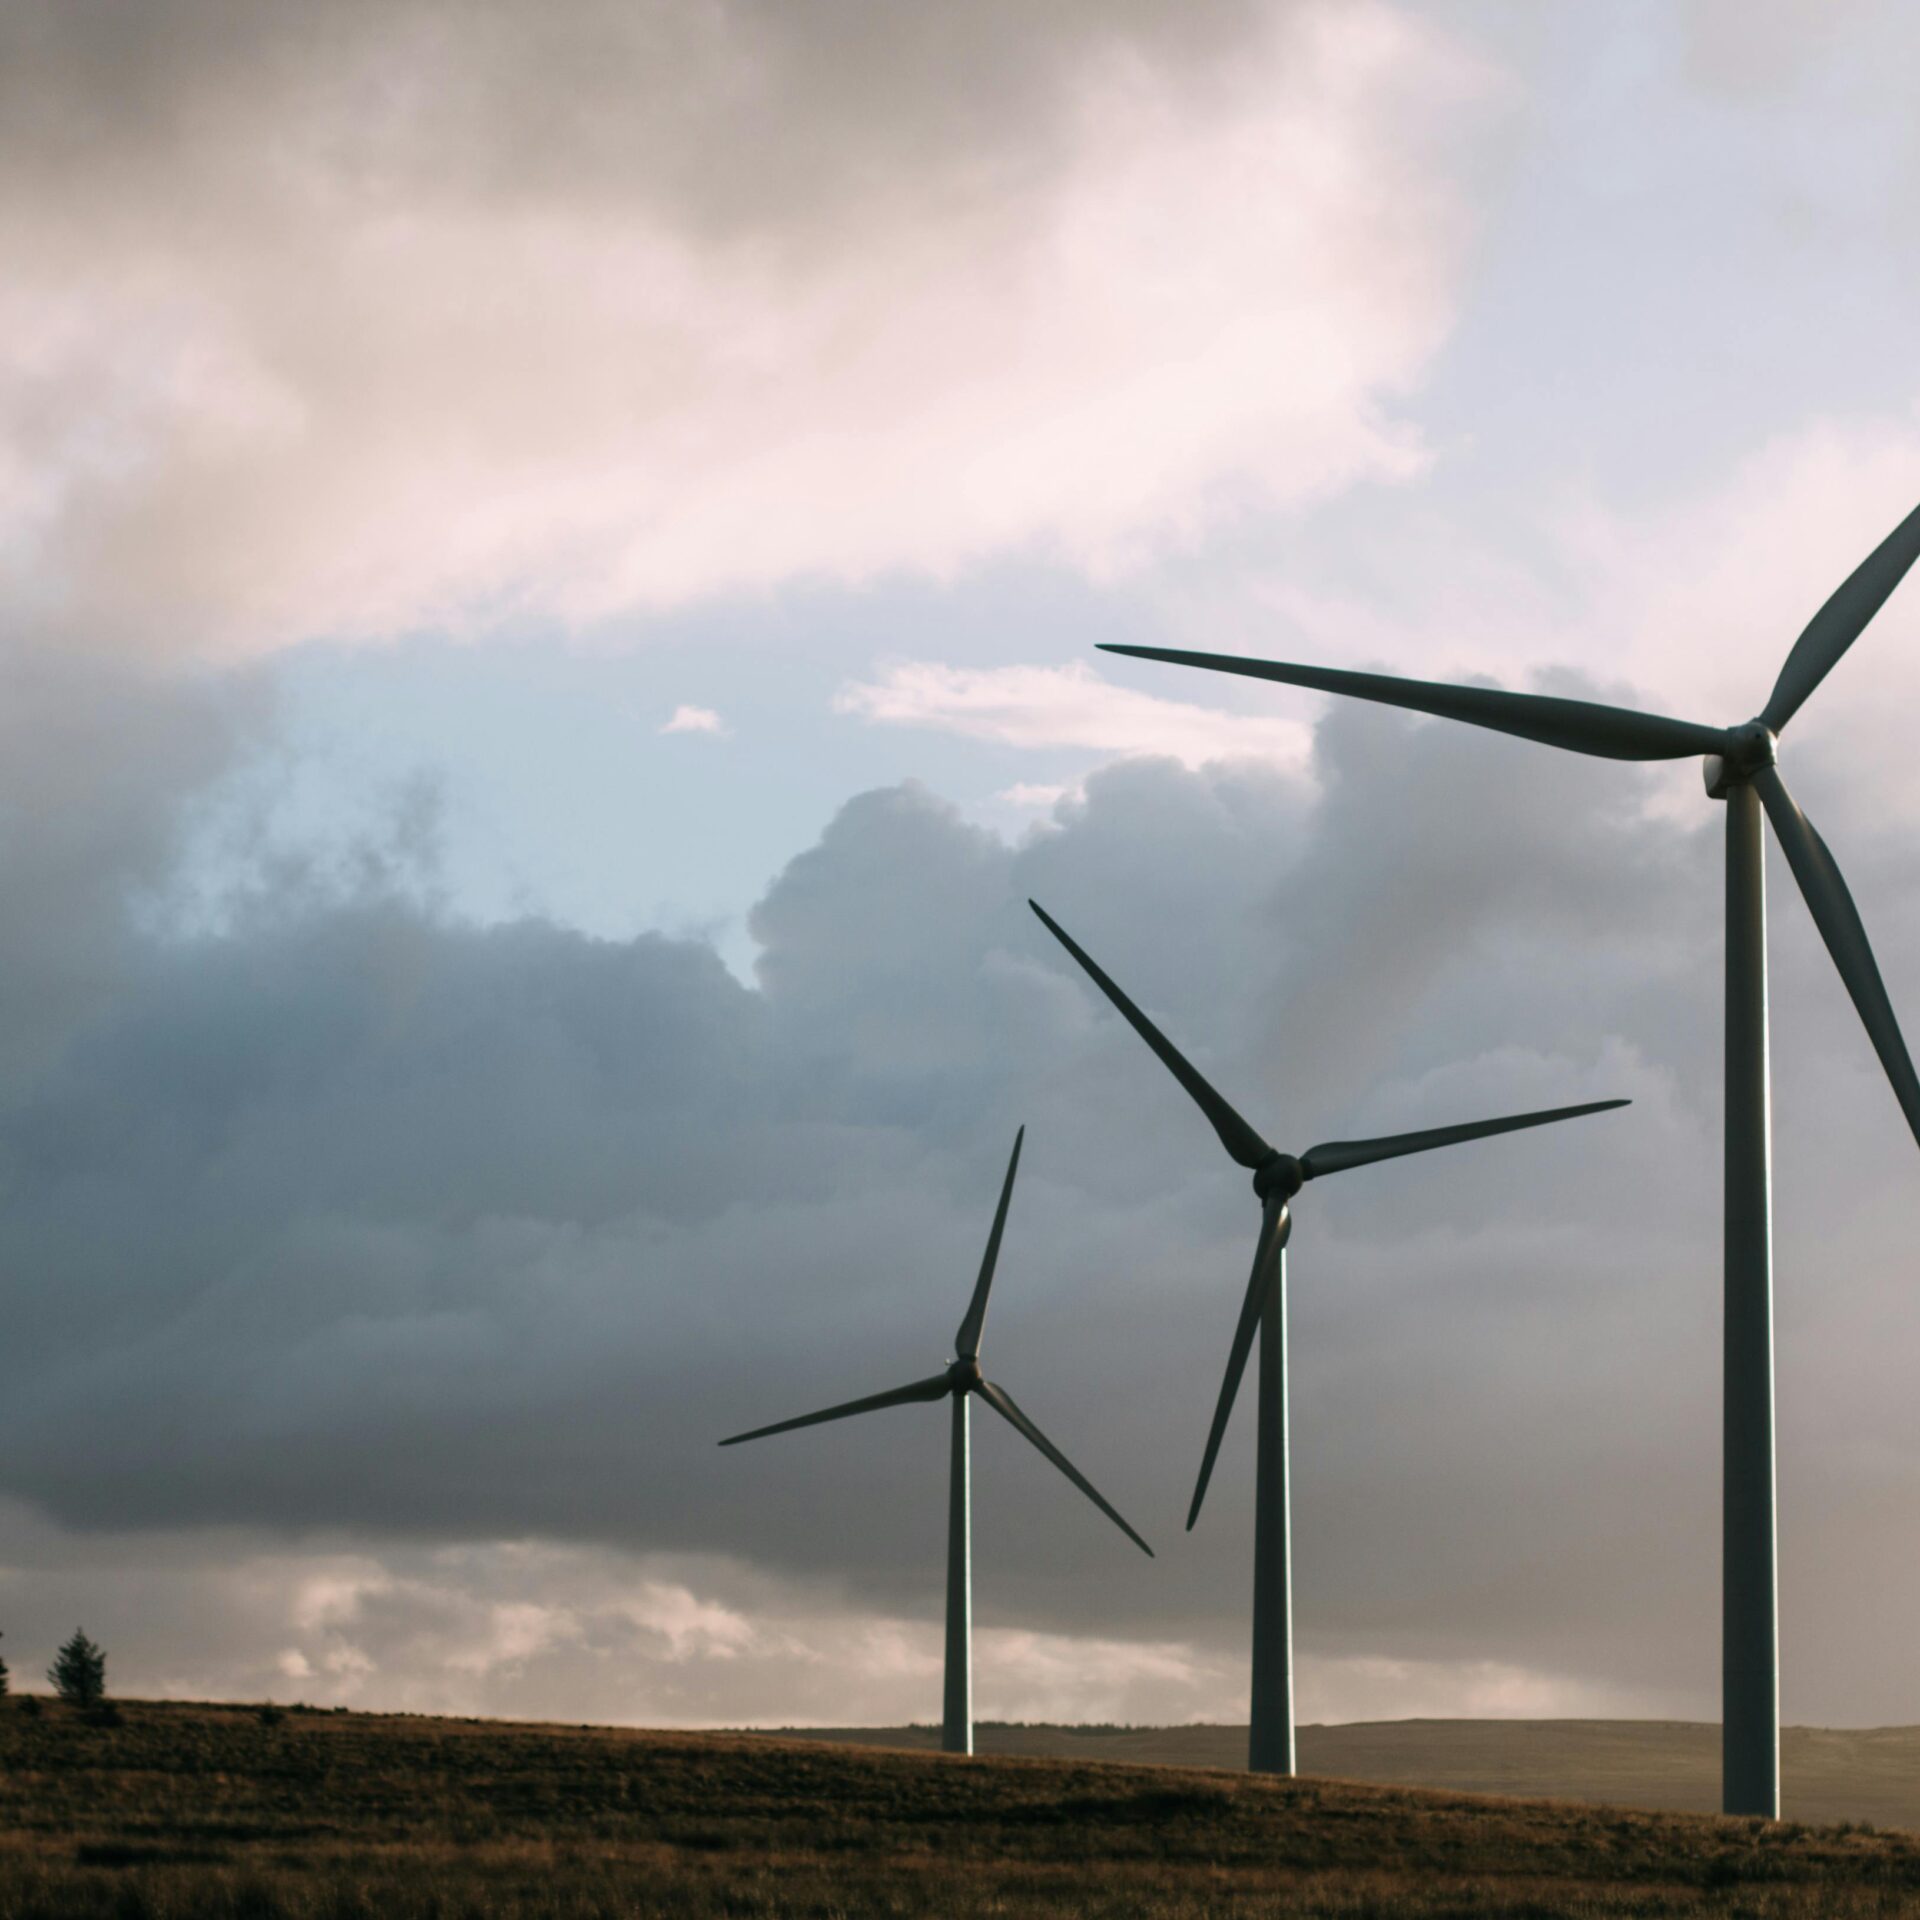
(1749, 749)
(966, 1375)
(1281, 1175)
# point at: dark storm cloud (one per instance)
(735, 115)
(352, 1217)
(357, 1217)
(93, 760)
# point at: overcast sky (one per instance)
(549, 565)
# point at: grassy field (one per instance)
(215, 1812)
(1827, 1774)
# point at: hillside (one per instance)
(216, 1812)
(1828, 1774)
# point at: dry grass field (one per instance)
(219, 1812)
(1828, 1774)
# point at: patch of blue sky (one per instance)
(559, 794)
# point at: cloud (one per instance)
(541, 1629)
(1684, 601)
(342, 1229)
(1385, 1689)
(1070, 706)
(694, 720)
(375, 1283)
(355, 1218)
(93, 766)
(352, 329)
(1763, 52)
(1032, 793)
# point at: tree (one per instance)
(3, 1674)
(79, 1675)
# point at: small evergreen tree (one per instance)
(3, 1674)
(79, 1675)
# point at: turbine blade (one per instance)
(1250, 1311)
(936, 1388)
(1839, 922)
(966, 1343)
(1841, 621)
(1001, 1401)
(1580, 726)
(1336, 1156)
(1236, 1136)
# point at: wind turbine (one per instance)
(962, 1379)
(1741, 769)
(1277, 1177)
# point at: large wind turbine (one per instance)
(962, 1378)
(1742, 770)
(1277, 1177)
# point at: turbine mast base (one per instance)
(1270, 1719)
(956, 1733)
(1750, 1629)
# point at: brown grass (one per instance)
(205, 1811)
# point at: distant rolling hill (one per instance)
(1828, 1774)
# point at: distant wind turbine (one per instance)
(1742, 770)
(1277, 1177)
(961, 1379)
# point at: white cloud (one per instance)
(694, 720)
(333, 1594)
(513, 1633)
(1704, 598)
(1035, 793)
(1685, 602)
(692, 1627)
(1069, 706)
(1078, 1678)
(532, 1628)
(1381, 1687)
(1185, 284)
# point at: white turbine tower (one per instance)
(961, 1380)
(1277, 1178)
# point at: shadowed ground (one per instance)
(1828, 1774)
(228, 1813)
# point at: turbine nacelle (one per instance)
(1279, 1177)
(1749, 750)
(964, 1376)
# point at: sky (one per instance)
(550, 564)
